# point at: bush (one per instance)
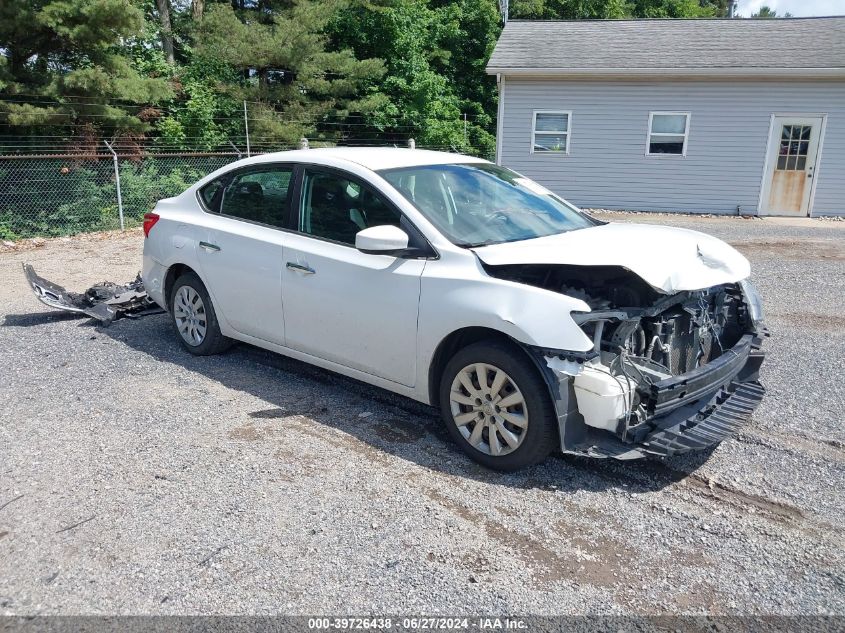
(52, 197)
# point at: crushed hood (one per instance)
(667, 258)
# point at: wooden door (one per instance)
(791, 165)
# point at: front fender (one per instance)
(450, 301)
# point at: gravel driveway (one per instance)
(135, 478)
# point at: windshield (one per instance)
(479, 203)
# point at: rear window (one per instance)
(209, 194)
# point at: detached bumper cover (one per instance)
(105, 302)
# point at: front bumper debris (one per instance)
(706, 405)
(723, 415)
(675, 391)
(105, 301)
(688, 412)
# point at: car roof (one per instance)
(374, 158)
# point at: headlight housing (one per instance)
(753, 301)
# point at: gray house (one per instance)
(719, 116)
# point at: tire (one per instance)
(193, 317)
(524, 390)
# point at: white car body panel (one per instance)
(380, 319)
(457, 294)
(246, 274)
(668, 259)
(355, 309)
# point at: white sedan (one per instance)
(459, 283)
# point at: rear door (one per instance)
(343, 305)
(243, 248)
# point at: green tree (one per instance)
(435, 53)
(767, 12)
(474, 28)
(63, 62)
(205, 116)
(568, 9)
(670, 9)
(615, 9)
(280, 55)
(163, 8)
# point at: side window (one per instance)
(336, 208)
(210, 194)
(259, 195)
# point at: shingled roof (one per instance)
(793, 46)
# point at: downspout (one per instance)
(500, 116)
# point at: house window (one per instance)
(551, 132)
(667, 133)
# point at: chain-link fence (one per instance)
(73, 175)
(48, 196)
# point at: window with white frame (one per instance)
(551, 131)
(667, 133)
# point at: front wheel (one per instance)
(497, 407)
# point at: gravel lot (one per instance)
(135, 478)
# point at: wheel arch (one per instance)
(174, 271)
(452, 344)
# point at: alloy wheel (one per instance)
(189, 313)
(488, 409)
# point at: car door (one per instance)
(242, 252)
(343, 305)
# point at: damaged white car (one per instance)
(456, 282)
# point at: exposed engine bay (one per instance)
(653, 353)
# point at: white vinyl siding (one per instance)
(726, 143)
(550, 131)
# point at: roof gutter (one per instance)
(710, 73)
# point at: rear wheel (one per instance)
(194, 318)
(497, 407)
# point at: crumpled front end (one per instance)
(673, 374)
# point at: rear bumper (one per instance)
(153, 273)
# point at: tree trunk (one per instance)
(166, 29)
(197, 7)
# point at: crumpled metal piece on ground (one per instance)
(106, 301)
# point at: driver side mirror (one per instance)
(382, 240)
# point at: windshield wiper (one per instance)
(477, 244)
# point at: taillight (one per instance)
(150, 220)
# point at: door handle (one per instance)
(211, 248)
(307, 270)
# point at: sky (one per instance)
(798, 8)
